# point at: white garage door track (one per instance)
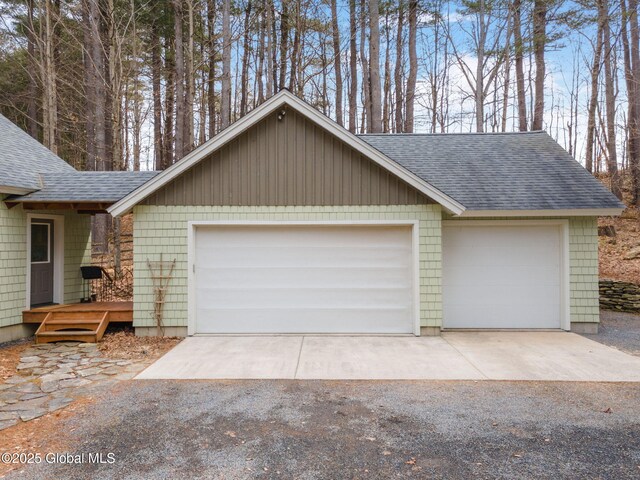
(549, 356)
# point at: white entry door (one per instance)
(303, 279)
(502, 276)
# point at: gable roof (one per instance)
(22, 158)
(91, 187)
(269, 107)
(521, 171)
(478, 174)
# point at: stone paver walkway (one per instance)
(50, 376)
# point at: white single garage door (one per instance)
(502, 276)
(303, 279)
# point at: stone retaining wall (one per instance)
(621, 296)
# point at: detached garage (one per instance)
(287, 223)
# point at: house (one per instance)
(287, 223)
(45, 223)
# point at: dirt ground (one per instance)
(124, 344)
(41, 435)
(10, 356)
(613, 265)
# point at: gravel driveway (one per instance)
(160, 429)
(619, 330)
(319, 429)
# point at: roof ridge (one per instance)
(440, 134)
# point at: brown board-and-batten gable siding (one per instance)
(291, 161)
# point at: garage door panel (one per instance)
(286, 277)
(296, 255)
(314, 320)
(502, 276)
(303, 279)
(273, 297)
(277, 235)
(508, 240)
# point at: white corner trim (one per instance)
(277, 101)
(577, 212)
(58, 256)
(191, 256)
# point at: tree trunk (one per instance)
(156, 87)
(244, 81)
(366, 74)
(397, 76)
(89, 87)
(294, 81)
(48, 74)
(284, 44)
(262, 32)
(507, 80)
(386, 89)
(374, 66)
(337, 60)
(169, 102)
(480, 53)
(539, 43)
(610, 100)
(180, 140)
(353, 66)
(413, 67)
(593, 98)
(273, 56)
(211, 76)
(270, 48)
(519, 64)
(225, 101)
(190, 83)
(32, 107)
(634, 130)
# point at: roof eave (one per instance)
(13, 190)
(567, 212)
(284, 97)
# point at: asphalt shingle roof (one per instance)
(502, 171)
(99, 187)
(22, 158)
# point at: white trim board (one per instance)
(267, 108)
(191, 257)
(565, 258)
(58, 256)
(576, 212)
(8, 189)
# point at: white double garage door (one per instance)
(364, 278)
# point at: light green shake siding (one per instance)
(13, 259)
(162, 231)
(583, 274)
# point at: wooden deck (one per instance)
(118, 311)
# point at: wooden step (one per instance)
(73, 336)
(59, 326)
(56, 325)
(72, 321)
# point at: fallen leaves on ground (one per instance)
(125, 344)
(613, 265)
(42, 435)
(10, 356)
